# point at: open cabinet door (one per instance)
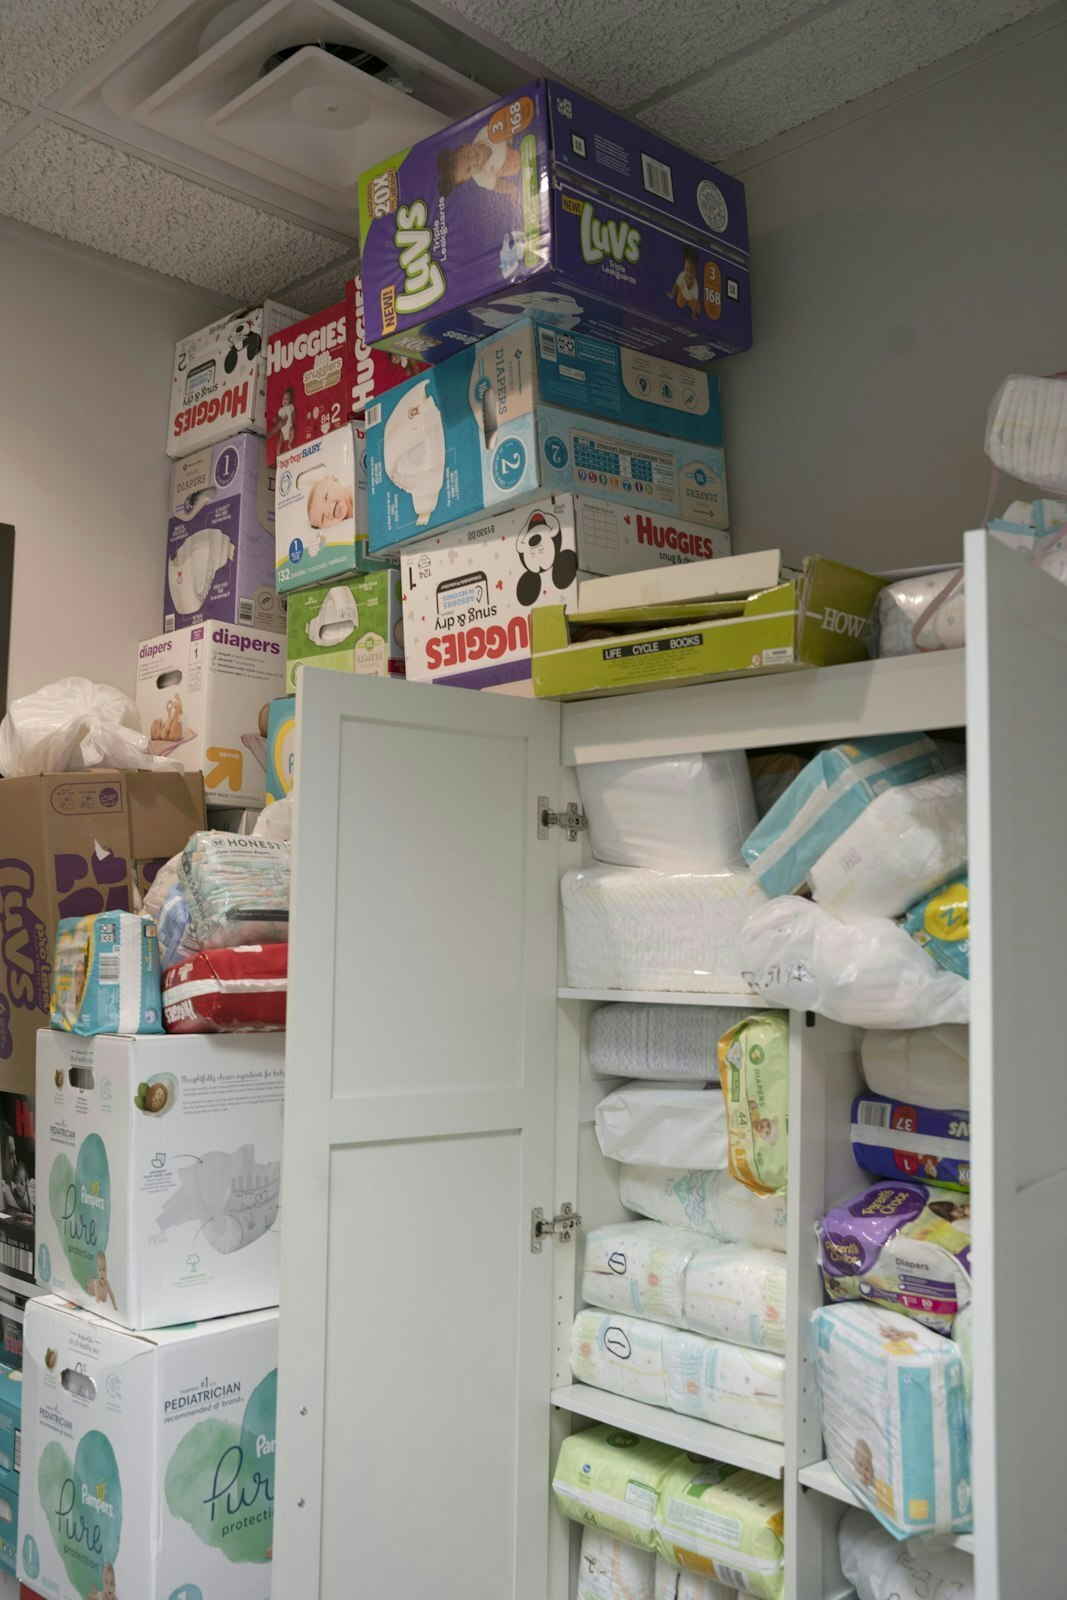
(1017, 761)
(413, 1416)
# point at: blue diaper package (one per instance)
(105, 978)
(893, 1140)
(942, 925)
(831, 792)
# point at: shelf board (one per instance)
(667, 1427)
(821, 1476)
(669, 997)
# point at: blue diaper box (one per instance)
(10, 1431)
(494, 425)
(281, 747)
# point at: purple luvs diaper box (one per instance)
(547, 203)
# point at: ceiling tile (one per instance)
(45, 43)
(9, 115)
(836, 57)
(91, 193)
(324, 289)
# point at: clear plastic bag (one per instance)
(74, 724)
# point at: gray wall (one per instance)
(905, 259)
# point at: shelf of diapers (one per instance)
(670, 997)
(822, 1477)
(668, 1427)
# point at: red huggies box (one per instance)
(307, 380)
(370, 372)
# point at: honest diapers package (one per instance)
(158, 1174)
(149, 1458)
(352, 626)
(219, 385)
(320, 511)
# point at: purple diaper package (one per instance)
(904, 1246)
(893, 1140)
(546, 203)
(220, 539)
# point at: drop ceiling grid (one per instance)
(43, 43)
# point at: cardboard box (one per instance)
(74, 844)
(307, 380)
(219, 385)
(281, 747)
(160, 1171)
(548, 201)
(220, 539)
(475, 433)
(730, 578)
(353, 626)
(370, 372)
(203, 695)
(321, 512)
(468, 592)
(153, 1457)
(819, 619)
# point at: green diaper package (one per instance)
(754, 1068)
(724, 1523)
(611, 1480)
(352, 626)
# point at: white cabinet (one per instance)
(438, 1092)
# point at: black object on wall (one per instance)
(7, 577)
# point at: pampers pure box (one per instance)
(546, 202)
(148, 1458)
(159, 1166)
(219, 386)
(220, 539)
(479, 431)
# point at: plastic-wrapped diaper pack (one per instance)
(228, 991)
(894, 1139)
(674, 1585)
(639, 1267)
(608, 1569)
(709, 1202)
(922, 1066)
(673, 813)
(725, 1384)
(899, 849)
(643, 1041)
(754, 1066)
(894, 1418)
(963, 1339)
(737, 1294)
(901, 606)
(941, 923)
(882, 1567)
(723, 1522)
(236, 890)
(664, 1125)
(105, 976)
(177, 942)
(625, 928)
(621, 1354)
(610, 1480)
(903, 1246)
(872, 975)
(831, 792)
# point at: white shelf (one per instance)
(744, 1002)
(687, 1433)
(821, 1476)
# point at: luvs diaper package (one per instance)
(478, 431)
(723, 1522)
(547, 202)
(610, 1479)
(320, 511)
(893, 1139)
(219, 385)
(901, 1246)
(158, 1174)
(354, 625)
(754, 1067)
(105, 978)
(149, 1457)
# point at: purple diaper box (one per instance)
(893, 1140)
(220, 539)
(547, 203)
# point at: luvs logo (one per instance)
(424, 282)
(619, 240)
(24, 943)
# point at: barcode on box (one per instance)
(871, 1114)
(658, 179)
(547, 340)
(11, 1255)
(731, 1577)
(107, 965)
(18, 1450)
(374, 416)
(246, 612)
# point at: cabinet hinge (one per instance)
(570, 820)
(560, 1227)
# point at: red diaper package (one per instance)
(370, 372)
(307, 380)
(228, 991)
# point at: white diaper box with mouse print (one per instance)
(468, 592)
(320, 511)
(158, 1173)
(204, 695)
(149, 1457)
(220, 539)
(219, 386)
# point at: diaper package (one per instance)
(882, 1567)
(353, 626)
(670, 813)
(901, 605)
(891, 1139)
(921, 1066)
(320, 511)
(105, 976)
(608, 1569)
(228, 991)
(307, 380)
(902, 1246)
(158, 1172)
(625, 928)
(870, 975)
(149, 1457)
(941, 923)
(666, 1042)
(723, 1522)
(906, 842)
(177, 941)
(610, 1480)
(664, 1125)
(831, 792)
(963, 1338)
(219, 386)
(894, 1418)
(674, 1585)
(754, 1067)
(621, 1354)
(236, 890)
(724, 1384)
(370, 371)
(737, 1294)
(281, 747)
(707, 1202)
(640, 1268)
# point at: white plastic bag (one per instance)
(74, 724)
(921, 1066)
(671, 814)
(275, 821)
(881, 1567)
(664, 1125)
